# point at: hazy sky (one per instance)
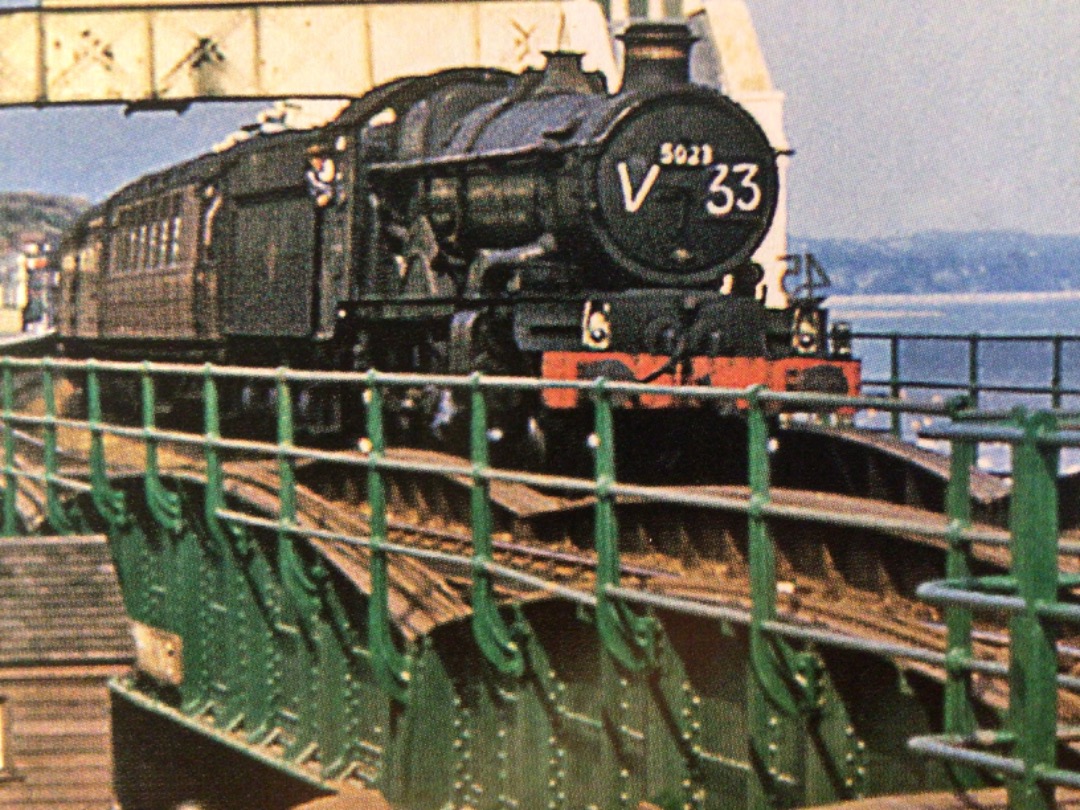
(906, 115)
(928, 114)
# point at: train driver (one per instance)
(321, 175)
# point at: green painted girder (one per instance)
(302, 666)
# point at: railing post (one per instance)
(896, 418)
(628, 638)
(164, 506)
(54, 507)
(491, 633)
(1033, 659)
(300, 581)
(302, 586)
(108, 502)
(770, 698)
(1055, 373)
(973, 370)
(215, 479)
(11, 480)
(391, 667)
(959, 701)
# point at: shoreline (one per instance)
(930, 299)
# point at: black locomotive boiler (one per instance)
(472, 219)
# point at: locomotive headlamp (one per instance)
(596, 326)
(841, 339)
(806, 331)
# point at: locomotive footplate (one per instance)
(783, 374)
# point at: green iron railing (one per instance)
(973, 383)
(782, 677)
(1030, 595)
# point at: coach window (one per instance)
(144, 252)
(161, 251)
(132, 249)
(7, 770)
(152, 259)
(174, 242)
(140, 261)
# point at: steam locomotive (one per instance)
(472, 219)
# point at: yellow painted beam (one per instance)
(171, 54)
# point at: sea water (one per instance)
(1001, 363)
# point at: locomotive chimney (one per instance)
(656, 55)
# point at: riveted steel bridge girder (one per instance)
(671, 702)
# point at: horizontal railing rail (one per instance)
(971, 381)
(1030, 592)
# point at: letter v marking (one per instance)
(633, 201)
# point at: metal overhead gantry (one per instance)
(168, 55)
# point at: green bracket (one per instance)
(391, 667)
(11, 480)
(491, 633)
(109, 502)
(54, 507)
(231, 540)
(629, 639)
(164, 506)
(785, 686)
(772, 660)
(302, 585)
